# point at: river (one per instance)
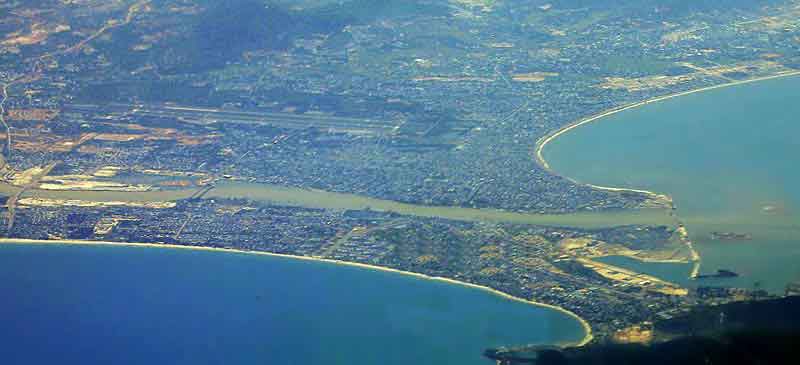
(725, 156)
(181, 306)
(307, 198)
(728, 157)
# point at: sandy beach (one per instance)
(587, 328)
(542, 142)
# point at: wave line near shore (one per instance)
(542, 142)
(584, 324)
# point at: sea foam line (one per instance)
(542, 142)
(584, 324)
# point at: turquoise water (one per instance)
(728, 157)
(133, 305)
(674, 273)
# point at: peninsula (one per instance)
(405, 136)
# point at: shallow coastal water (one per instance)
(677, 273)
(134, 305)
(729, 159)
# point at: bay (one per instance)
(728, 157)
(135, 305)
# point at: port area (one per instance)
(623, 277)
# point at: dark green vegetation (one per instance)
(432, 107)
(220, 33)
(226, 29)
(367, 11)
(773, 315)
(761, 332)
(517, 259)
(734, 348)
(457, 128)
(670, 7)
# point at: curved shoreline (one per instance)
(542, 142)
(585, 325)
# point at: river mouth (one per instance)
(728, 159)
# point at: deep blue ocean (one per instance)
(133, 305)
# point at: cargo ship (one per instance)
(730, 236)
(721, 273)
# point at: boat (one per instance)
(721, 273)
(730, 236)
